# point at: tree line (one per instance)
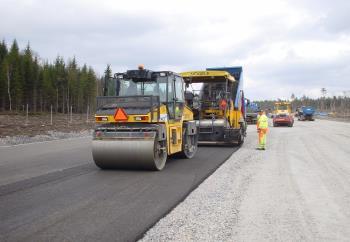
(27, 80)
(335, 104)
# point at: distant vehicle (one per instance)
(306, 113)
(282, 108)
(251, 118)
(322, 114)
(252, 113)
(282, 114)
(283, 119)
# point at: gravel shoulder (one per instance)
(296, 190)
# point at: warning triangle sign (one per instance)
(120, 115)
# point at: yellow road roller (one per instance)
(141, 120)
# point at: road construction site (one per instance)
(297, 189)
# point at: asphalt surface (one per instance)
(52, 191)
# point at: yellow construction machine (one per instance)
(141, 120)
(217, 100)
(282, 108)
(282, 114)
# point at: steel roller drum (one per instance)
(126, 153)
(204, 123)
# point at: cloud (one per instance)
(284, 46)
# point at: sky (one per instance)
(284, 47)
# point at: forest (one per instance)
(25, 79)
(338, 105)
(64, 86)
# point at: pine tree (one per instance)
(108, 75)
(14, 69)
(72, 75)
(83, 82)
(3, 79)
(28, 75)
(3, 51)
(48, 90)
(36, 76)
(60, 83)
(91, 88)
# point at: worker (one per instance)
(223, 104)
(262, 125)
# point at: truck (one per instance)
(305, 113)
(216, 97)
(251, 112)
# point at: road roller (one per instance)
(142, 119)
(217, 99)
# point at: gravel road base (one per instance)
(50, 135)
(296, 190)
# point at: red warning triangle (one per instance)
(120, 115)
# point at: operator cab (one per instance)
(163, 87)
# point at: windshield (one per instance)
(128, 87)
(282, 107)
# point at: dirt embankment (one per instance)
(17, 124)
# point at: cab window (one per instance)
(179, 93)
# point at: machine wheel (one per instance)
(240, 137)
(160, 155)
(274, 125)
(189, 146)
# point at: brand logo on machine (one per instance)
(199, 73)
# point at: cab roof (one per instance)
(206, 76)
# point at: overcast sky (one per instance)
(285, 47)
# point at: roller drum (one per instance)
(205, 123)
(128, 154)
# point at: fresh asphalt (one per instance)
(52, 191)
